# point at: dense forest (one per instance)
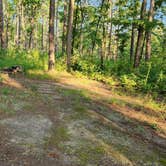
(105, 40)
(101, 63)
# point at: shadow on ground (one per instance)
(80, 127)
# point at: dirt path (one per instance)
(46, 123)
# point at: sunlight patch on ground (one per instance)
(10, 82)
(28, 131)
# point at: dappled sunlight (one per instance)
(6, 80)
(110, 126)
(100, 92)
(140, 116)
(100, 89)
(83, 133)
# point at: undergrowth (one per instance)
(149, 78)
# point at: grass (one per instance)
(89, 152)
(59, 135)
(80, 112)
(86, 151)
(5, 91)
(33, 88)
(82, 90)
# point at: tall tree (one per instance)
(110, 28)
(132, 42)
(70, 34)
(140, 35)
(97, 25)
(19, 23)
(148, 33)
(51, 62)
(64, 28)
(57, 25)
(1, 25)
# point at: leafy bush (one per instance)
(128, 82)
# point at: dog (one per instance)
(13, 70)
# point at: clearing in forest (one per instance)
(77, 122)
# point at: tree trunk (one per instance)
(56, 30)
(132, 42)
(143, 45)
(19, 30)
(140, 36)
(81, 27)
(110, 29)
(42, 34)
(1, 26)
(117, 44)
(148, 33)
(51, 62)
(7, 33)
(31, 34)
(64, 28)
(103, 53)
(70, 34)
(75, 25)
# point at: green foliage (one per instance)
(128, 82)
(5, 91)
(27, 59)
(148, 78)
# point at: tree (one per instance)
(133, 14)
(56, 29)
(64, 28)
(70, 34)
(31, 9)
(51, 62)
(148, 33)
(110, 29)
(1, 25)
(19, 23)
(140, 35)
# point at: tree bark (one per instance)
(51, 62)
(56, 30)
(19, 27)
(103, 53)
(7, 33)
(70, 34)
(82, 4)
(2, 44)
(117, 44)
(140, 36)
(132, 42)
(110, 30)
(42, 34)
(148, 33)
(75, 25)
(31, 34)
(143, 45)
(64, 28)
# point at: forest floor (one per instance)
(77, 122)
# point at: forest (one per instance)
(82, 82)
